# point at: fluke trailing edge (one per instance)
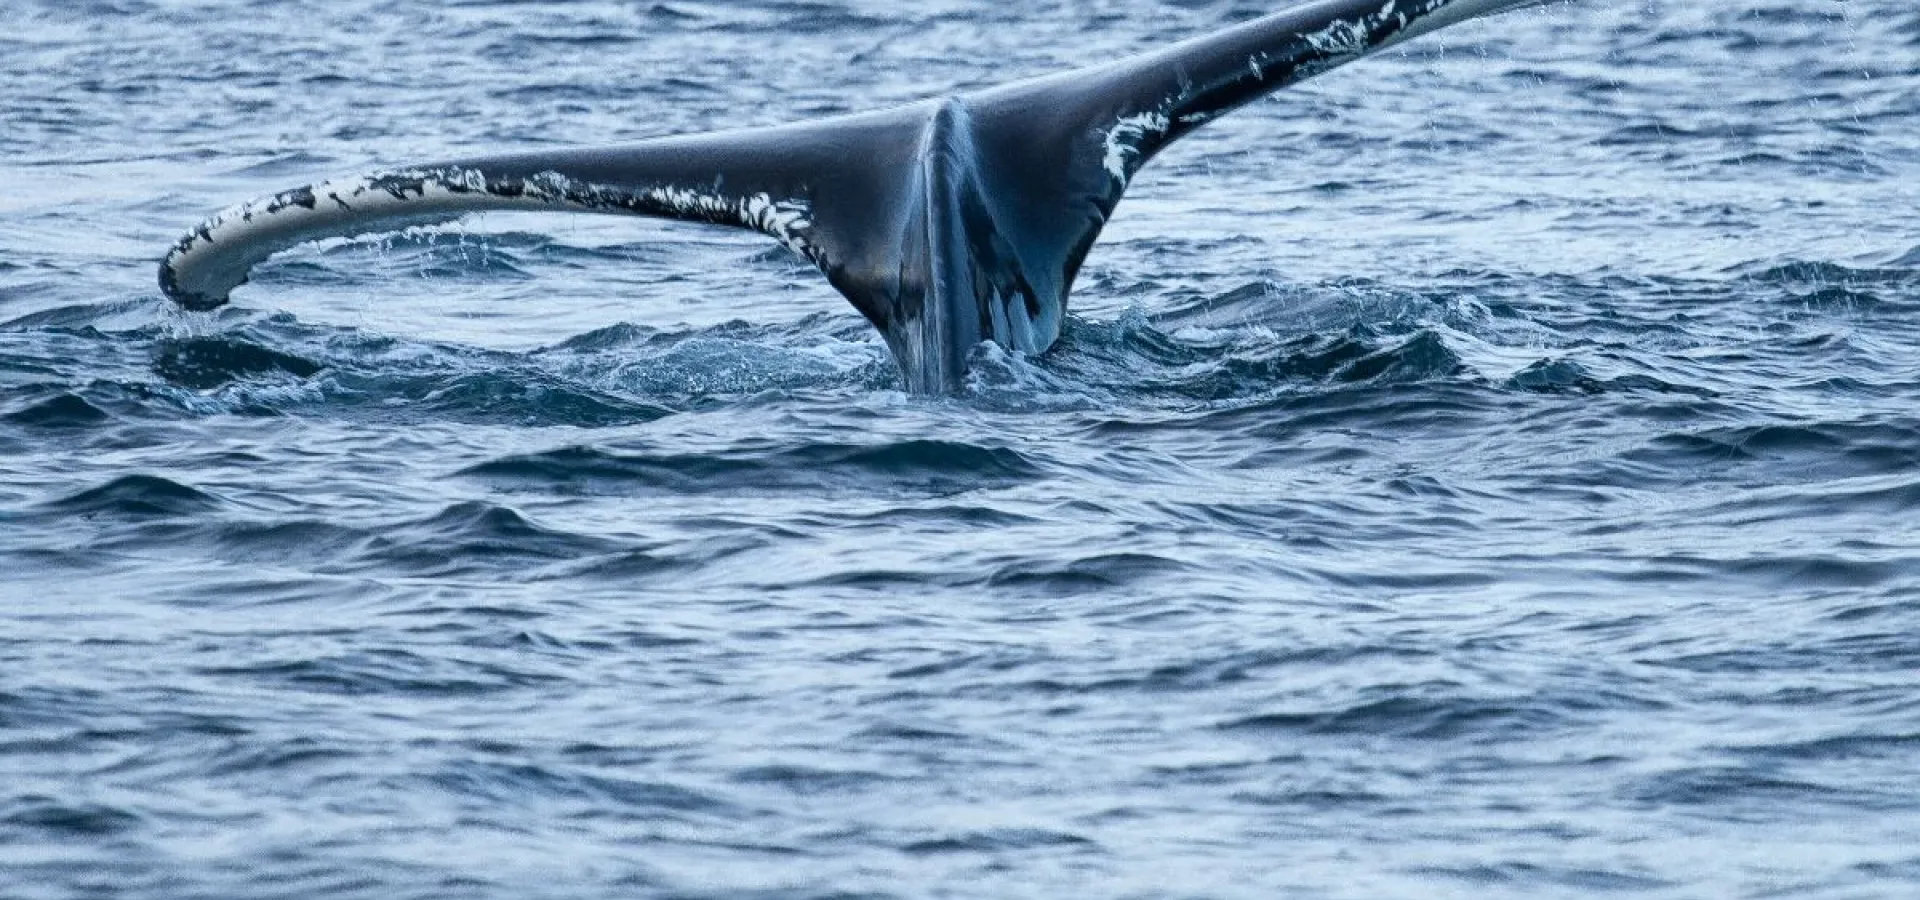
(947, 222)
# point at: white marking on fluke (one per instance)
(1126, 138)
(213, 259)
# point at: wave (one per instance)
(378, 671)
(912, 467)
(138, 497)
(523, 397)
(57, 819)
(1822, 274)
(1830, 450)
(1000, 841)
(209, 362)
(473, 538)
(1565, 376)
(1416, 717)
(62, 410)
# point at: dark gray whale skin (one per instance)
(946, 222)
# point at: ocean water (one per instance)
(1490, 470)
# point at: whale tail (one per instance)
(946, 222)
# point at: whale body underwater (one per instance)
(947, 222)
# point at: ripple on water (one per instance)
(473, 538)
(211, 362)
(1076, 576)
(922, 467)
(1566, 376)
(529, 397)
(1821, 273)
(281, 543)
(1003, 840)
(579, 792)
(63, 410)
(55, 819)
(138, 497)
(390, 672)
(1483, 721)
(1825, 451)
(1531, 876)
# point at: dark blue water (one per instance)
(1492, 470)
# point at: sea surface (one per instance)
(1490, 470)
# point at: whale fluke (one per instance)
(946, 222)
